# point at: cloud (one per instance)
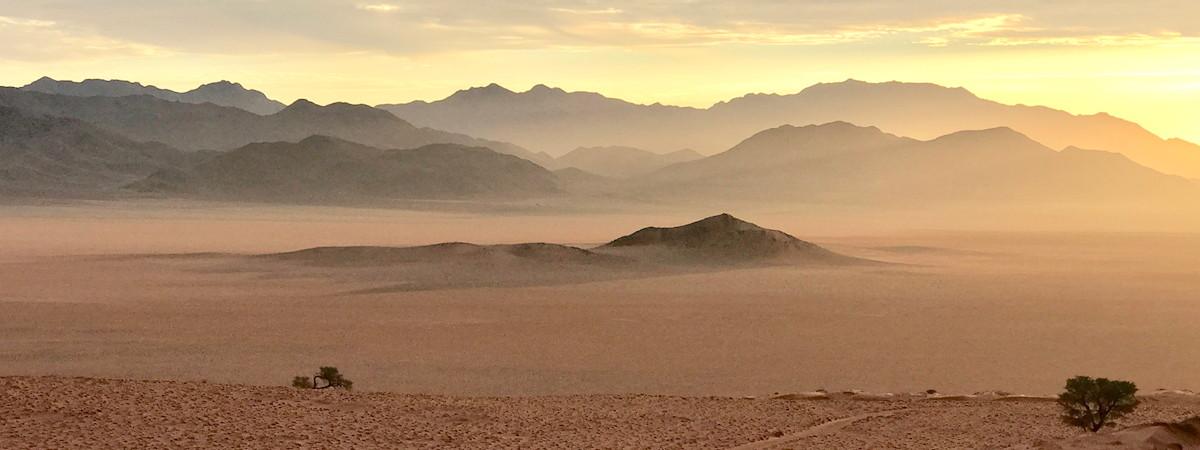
(379, 7)
(19, 22)
(23, 39)
(419, 27)
(604, 11)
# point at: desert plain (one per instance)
(697, 358)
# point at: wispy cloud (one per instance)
(19, 22)
(379, 7)
(604, 11)
(24, 39)
(415, 27)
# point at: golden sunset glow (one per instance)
(1138, 62)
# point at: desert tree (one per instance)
(1090, 403)
(326, 377)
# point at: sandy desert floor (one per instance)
(53, 412)
(967, 312)
(960, 312)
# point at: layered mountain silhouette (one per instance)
(207, 126)
(342, 152)
(223, 93)
(722, 240)
(552, 120)
(622, 162)
(55, 155)
(324, 169)
(841, 163)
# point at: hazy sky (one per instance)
(1136, 59)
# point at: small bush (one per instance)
(302, 382)
(326, 377)
(1090, 403)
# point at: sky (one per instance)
(1137, 60)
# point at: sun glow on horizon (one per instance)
(1129, 62)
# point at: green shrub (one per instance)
(302, 382)
(1090, 403)
(326, 377)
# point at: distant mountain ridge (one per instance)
(555, 121)
(210, 127)
(223, 93)
(622, 162)
(841, 163)
(51, 156)
(322, 169)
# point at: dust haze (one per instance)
(145, 291)
(850, 265)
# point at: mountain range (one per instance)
(322, 169)
(210, 127)
(841, 163)
(222, 93)
(52, 156)
(552, 120)
(621, 162)
(307, 153)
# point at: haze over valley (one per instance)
(572, 224)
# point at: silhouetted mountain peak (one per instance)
(840, 133)
(491, 90)
(844, 126)
(997, 136)
(622, 162)
(43, 81)
(301, 104)
(222, 93)
(224, 83)
(321, 139)
(342, 110)
(542, 89)
(222, 86)
(853, 86)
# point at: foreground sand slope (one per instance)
(1183, 435)
(57, 412)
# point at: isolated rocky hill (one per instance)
(721, 240)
